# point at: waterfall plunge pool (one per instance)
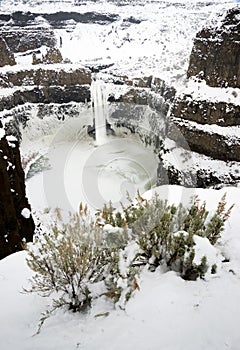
(73, 168)
(79, 171)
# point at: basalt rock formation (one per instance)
(210, 123)
(200, 125)
(41, 85)
(216, 53)
(57, 84)
(52, 56)
(24, 31)
(16, 223)
(6, 56)
(40, 76)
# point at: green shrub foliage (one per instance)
(70, 260)
(165, 233)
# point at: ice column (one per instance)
(100, 109)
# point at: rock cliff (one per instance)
(216, 53)
(208, 114)
(16, 223)
(42, 76)
(6, 56)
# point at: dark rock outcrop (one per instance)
(53, 55)
(214, 145)
(6, 56)
(16, 223)
(48, 86)
(216, 53)
(50, 94)
(206, 125)
(205, 112)
(24, 31)
(59, 19)
(46, 77)
(147, 91)
(25, 39)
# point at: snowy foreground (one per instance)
(166, 313)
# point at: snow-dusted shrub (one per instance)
(88, 258)
(74, 258)
(33, 163)
(127, 216)
(197, 220)
(165, 233)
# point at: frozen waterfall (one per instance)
(100, 109)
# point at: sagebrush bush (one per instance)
(165, 232)
(72, 258)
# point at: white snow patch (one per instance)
(200, 91)
(11, 138)
(204, 248)
(2, 133)
(232, 132)
(26, 213)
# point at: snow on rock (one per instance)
(26, 213)
(145, 37)
(167, 312)
(2, 133)
(11, 141)
(11, 138)
(200, 91)
(233, 132)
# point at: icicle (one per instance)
(100, 110)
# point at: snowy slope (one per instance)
(167, 312)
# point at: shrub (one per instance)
(110, 249)
(127, 216)
(70, 260)
(165, 233)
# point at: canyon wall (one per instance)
(16, 222)
(208, 114)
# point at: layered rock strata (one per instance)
(6, 56)
(208, 116)
(216, 53)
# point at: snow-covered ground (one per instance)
(166, 313)
(157, 40)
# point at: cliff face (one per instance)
(215, 59)
(16, 223)
(209, 123)
(6, 57)
(21, 32)
(48, 86)
(216, 53)
(46, 77)
(209, 128)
